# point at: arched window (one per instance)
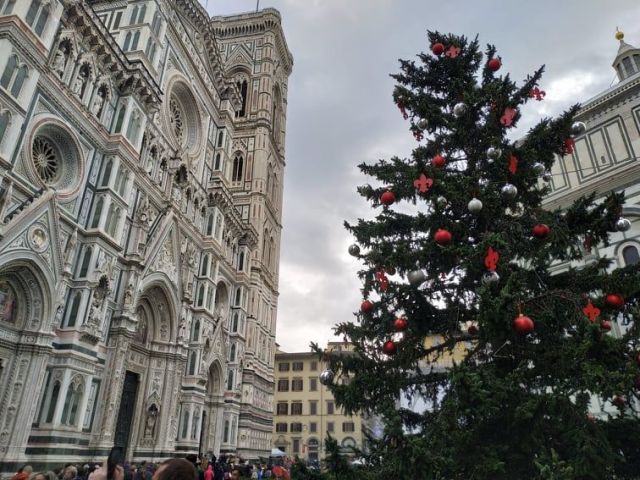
(32, 12)
(110, 215)
(201, 295)
(72, 403)
(74, 306)
(53, 402)
(225, 438)
(630, 255)
(136, 39)
(134, 15)
(232, 353)
(230, 380)
(106, 175)
(241, 261)
(192, 363)
(220, 139)
(195, 333)
(67, 404)
(23, 71)
(84, 267)
(238, 164)
(157, 23)
(242, 86)
(234, 323)
(9, 69)
(42, 21)
(122, 181)
(238, 297)
(97, 212)
(5, 118)
(272, 253)
(210, 225)
(216, 164)
(119, 119)
(205, 265)
(142, 13)
(185, 423)
(134, 126)
(127, 42)
(113, 224)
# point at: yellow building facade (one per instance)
(305, 410)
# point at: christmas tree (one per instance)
(462, 251)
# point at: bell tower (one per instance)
(627, 61)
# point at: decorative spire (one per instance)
(619, 35)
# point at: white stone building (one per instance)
(606, 159)
(142, 160)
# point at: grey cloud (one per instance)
(340, 113)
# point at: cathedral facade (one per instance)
(142, 160)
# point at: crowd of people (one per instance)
(172, 469)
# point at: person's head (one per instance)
(38, 476)
(235, 474)
(176, 469)
(70, 472)
(27, 469)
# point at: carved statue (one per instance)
(69, 250)
(5, 199)
(60, 62)
(182, 330)
(78, 84)
(97, 104)
(58, 318)
(150, 424)
(128, 293)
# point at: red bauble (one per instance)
(494, 64)
(442, 236)
(473, 330)
(400, 324)
(591, 418)
(390, 270)
(523, 325)
(390, 347)
(614, 300)
(366, 306)
(619, 401)
(540, 231)
(387, 198)
(606, 325)
(438, 161)
(437, 49)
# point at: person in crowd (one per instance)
(208, 474)
(235, 473)
(70, 473)
(175, 469)
(218, 472)
(23, 473)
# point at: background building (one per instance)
(605, 159)
(142, 157)
(306, 411)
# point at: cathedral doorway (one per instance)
(125, 414)
(210, 436)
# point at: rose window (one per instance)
(176, 119)
(45, 159)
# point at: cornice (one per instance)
(128, 75)
(609, 98)
(245, 24)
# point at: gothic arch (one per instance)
(27, 291)
(160, 300)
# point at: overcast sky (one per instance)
(340, 113)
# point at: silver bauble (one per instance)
(423, 124)
(483, 182)
(416, 277)
(474, 205)
(493, 152)
(459, 109)
(578, 128)
(509, 191)
(326, 377)
(546, 176)
(622, 225)
(490, 278)
(538, 168)
(354, 250)
(441, 202)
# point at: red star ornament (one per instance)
(423, 184)
(453, 51)
(537, 94)
(508, 116)
(491, 259)
(591, 311)
(383, 281)
(513, 164)
(568, 146)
